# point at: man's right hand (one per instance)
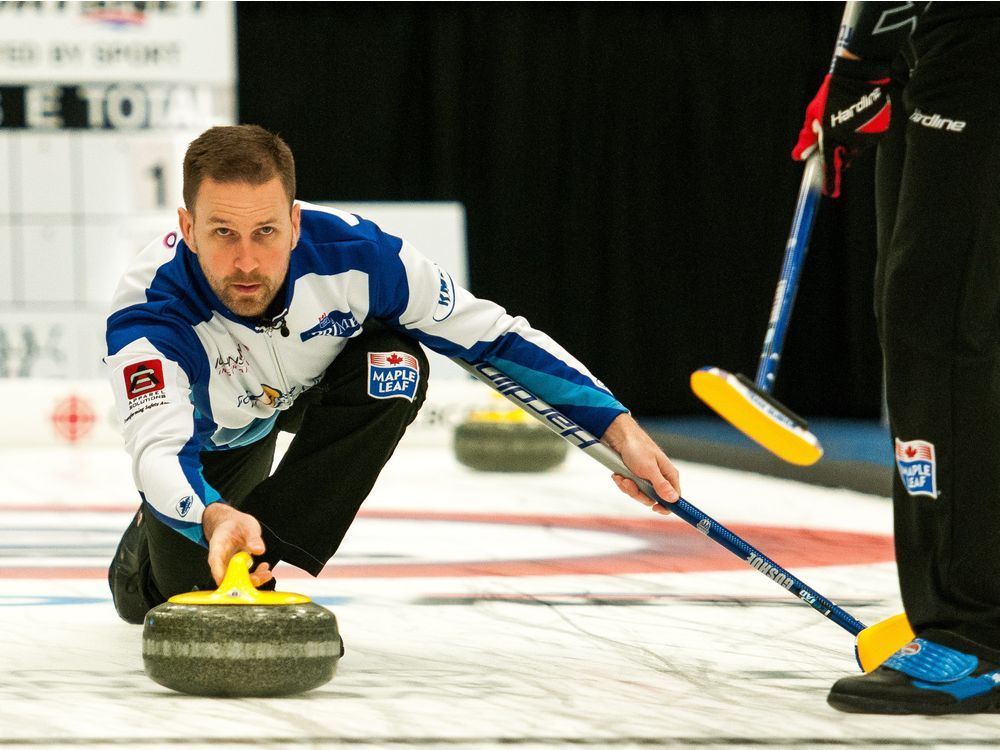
(229, 531)
(850, 112)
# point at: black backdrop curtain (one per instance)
(624, 168)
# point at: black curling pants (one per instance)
(938, 308)
(343, 438)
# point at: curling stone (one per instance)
(239, 641)
(507, 440)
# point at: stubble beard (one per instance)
(247, 306)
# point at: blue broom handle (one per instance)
(788, 283)
(734, 543)
(567, 429)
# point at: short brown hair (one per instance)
(237, 153)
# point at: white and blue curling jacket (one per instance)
(189, 375)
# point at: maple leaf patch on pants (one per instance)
(392, 375)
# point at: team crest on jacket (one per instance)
(333, 323)
(392, 374)
(917, 466)
(446, 296)
(184, 505)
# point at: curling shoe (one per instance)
(923, 677)
(126, 572)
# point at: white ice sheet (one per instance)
(652, 659)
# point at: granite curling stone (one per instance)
(507, 441)
(239, 642)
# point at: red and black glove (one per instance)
(850, 112)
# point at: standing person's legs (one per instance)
(939, 310)
(938, 305)
(344, 436)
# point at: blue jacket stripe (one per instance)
(538, 370)
(190, 462)
(389, 290)
(559, 390)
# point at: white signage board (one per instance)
(98, 101)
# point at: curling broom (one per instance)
(749, 406)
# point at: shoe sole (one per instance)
(856, 704)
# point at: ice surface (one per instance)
(467, 621)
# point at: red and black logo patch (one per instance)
(144, 377)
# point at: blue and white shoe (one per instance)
(923, 677)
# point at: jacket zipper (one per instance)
(268, 331)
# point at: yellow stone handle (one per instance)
(236, 588)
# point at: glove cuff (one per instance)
(861, 70)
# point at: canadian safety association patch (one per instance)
(392, 374)
(917, 466)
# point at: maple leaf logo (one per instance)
(911, 452)
(394, 359)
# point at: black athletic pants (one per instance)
(938, 308)
(343, 438)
